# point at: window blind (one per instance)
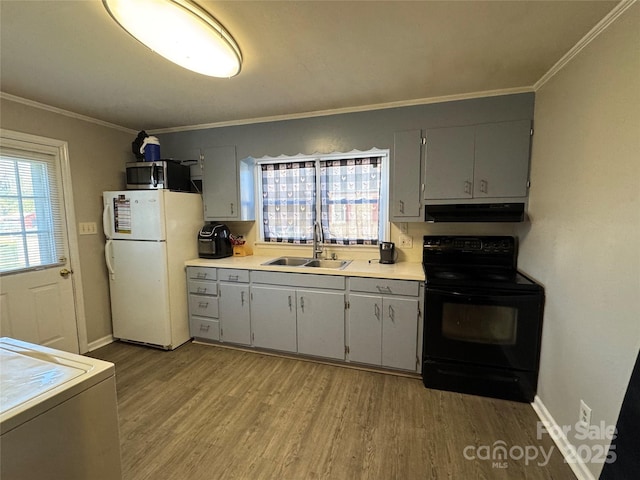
(31, 215)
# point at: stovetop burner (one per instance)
(479, 261)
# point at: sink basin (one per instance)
(307, 262)
(288, 261)
(327, 263)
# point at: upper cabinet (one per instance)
(405, 189)
(227, 185)
(477, 162)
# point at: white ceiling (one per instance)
(299, 57)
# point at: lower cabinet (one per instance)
(383, 329)
(360, 320)
(273, 318)
(234, 313)
(320, 323)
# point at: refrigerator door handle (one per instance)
(106, 221)
(107, 249)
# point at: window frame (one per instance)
(383, 221)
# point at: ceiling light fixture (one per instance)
(180, 31)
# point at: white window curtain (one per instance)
(350, 200)
(346, 193)
(288, 201)
(30, 219)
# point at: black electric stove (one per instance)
(483, 318)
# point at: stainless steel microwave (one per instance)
(167, 174)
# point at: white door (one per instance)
(37, 263)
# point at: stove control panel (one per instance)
(485, 244)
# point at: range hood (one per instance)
(475, 212)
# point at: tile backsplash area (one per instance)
(414, 233)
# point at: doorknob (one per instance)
(65, 272)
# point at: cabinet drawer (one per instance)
(203, 288)
(203, 306)
(233, 275)
(201, 273)
(385, 286)
(305, 280)
(204, 328)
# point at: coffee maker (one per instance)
(387, 252)
(214, 241)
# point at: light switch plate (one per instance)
(88, 228)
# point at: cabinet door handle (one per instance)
(484, 186)
(204, 327)
(376, 310)
(203, 304)
(233, 278)
(467, 187)
(202, 290)
(302, 304)
(201, 275)
(242, 298)
(392, 314)
(289, 302)
(401, 206)
(232, 209)
(383, 289)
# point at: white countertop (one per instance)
(357, 268)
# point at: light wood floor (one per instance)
(205, 412)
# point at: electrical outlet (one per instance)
(585, 413)
(88, 228)
(406, 241)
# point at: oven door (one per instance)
(483, 326)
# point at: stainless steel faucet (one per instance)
(318, 239)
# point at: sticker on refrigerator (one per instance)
(122, 214)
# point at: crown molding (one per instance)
(601, 26)
(338, 111)
(66, 113)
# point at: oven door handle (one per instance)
(471, 294)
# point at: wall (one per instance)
(97, 155)
(584, 240)
(346, 132)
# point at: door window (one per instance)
(30, 218)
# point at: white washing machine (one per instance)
(58, 415)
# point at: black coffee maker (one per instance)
(387, 252)
(214, 241)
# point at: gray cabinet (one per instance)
(489, 161)
(227, 185)
(320, 321)
(383, 323)
(203, 303)
(235, 321)
(301, 313)
(273, 319)
(405, 189)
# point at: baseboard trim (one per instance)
(567, 450)
(101, 342)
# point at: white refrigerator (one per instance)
(150, 234)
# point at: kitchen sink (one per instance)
(288, 261)
(307, 262)
(327, 263)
